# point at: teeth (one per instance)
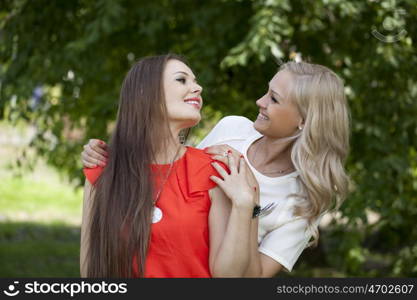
(193, 102)
(262, 117)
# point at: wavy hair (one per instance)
(321, 148)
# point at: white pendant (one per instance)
(157, 215)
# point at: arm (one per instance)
(261, 265)
(229, 239)
(281, 247)
(230, 221)
(87, 205)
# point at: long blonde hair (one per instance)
(320, 151)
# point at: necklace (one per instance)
(157, 212)
(271, 172)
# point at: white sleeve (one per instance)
(286, 243)
(228, 128)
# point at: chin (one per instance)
(191, 121)
(258, 127)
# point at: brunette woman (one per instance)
(153, 211)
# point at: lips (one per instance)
(196, 102)
(261, 116)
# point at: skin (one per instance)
(283, 121)
(180, 85)
(229, 217)
(278, 119)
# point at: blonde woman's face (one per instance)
(278, 117)
(182, 94)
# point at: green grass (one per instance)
(41, 201)
(39, 228)
(38, 250)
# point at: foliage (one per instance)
(77, 53)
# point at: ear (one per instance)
(301, 124)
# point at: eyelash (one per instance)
(182, 80)
(274, 100)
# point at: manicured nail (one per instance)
(229, 151)
(241, 156)
(254, 188)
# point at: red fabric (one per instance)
(93, 174)
(179, 245)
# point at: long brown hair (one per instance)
(122, 205)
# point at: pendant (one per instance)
(157, 214)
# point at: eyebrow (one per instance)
(182, 73)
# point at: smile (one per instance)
(262, 117)
(196, 102)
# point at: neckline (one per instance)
(258, 174)
(175, 162)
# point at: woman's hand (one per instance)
(94, 154)
(222, 152)
(240, 185)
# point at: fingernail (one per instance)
(229, 151)
(241, 156)
(254, 188)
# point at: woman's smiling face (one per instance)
(182, 94)
(278, 116)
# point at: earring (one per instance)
(300, 128)
(182, 139)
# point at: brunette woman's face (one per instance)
(278, 116)
(182, 94)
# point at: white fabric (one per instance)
(281, 235)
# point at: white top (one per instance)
(281, 235)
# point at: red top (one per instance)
(179, 245)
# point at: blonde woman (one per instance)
(296, 149)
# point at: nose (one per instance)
(262, 102)
(197, 89)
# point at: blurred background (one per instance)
(62, 64)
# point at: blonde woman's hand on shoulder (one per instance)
(94, 154)
(239, 185)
